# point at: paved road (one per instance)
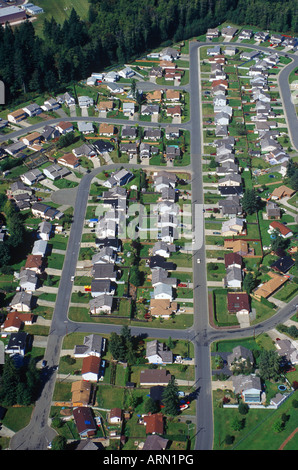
(37, 434)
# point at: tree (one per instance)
(243, 408)
(250, 202)
(170, 398)
(269, 365)
(249, 283)
(59, 443)
(150, 406)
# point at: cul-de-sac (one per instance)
(148, 225)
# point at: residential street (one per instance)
(38, 433)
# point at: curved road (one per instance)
(38, 434)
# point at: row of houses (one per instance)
(228, 33)
(265, 125)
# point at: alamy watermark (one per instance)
(159, 221)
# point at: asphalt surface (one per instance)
(38, 433)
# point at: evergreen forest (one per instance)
(117, 31)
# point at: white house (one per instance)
(163, 291)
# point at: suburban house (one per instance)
(106, 129)
(101, 304)
(91, 368)
(239, 355)
(154, 423)
(40, 248)
(238, 302)
(85, 101)
(281, 192)
(28, 280)
(163, 291)
(283, 264)
(22, 301)
(233, 226)
(93, 345)
(287, 350)
(162, 308)
(272, 210)
(101, 286)
(115, 416)
(17, 116)
(85, 127)
(155, 442)
(81, 393)
(66, 99)
(15, 320)
(128, 108)
(233, 278)
(45, 230)
(35, 263)
(69, 160)
(32, 176)
(49, 133)
(86, 150)
(31, 139)
(32, 109)
(150, 377)
(249, 387)
(19, 343)
(233, 260)
(268, 288)
(158, 353)
(84, 420)
(284, 231)
(64, 127)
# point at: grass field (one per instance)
(60, 11)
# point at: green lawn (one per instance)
(258, 432)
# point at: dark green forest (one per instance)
(116, 32)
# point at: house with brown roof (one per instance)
(233, 260)
(268, 288)
(84, 420)
(154, 423)
(238, 302)
(163, 308)
(115, 416)
(64, 127)
(35, 263)
(173, 95)
(166, 64)
(105, 106)
(91, 368)
(69, 160)
(155, 95)
(81, 392)
(284, 231)
(238, 246)
(30, 139)
(17, 116)
(15, 320)
(106, 129)
(150, 377)
(174, 111)
(282, 191)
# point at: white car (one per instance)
(72, 278)
(198, 260)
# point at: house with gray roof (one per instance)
(249, 387)
(158, 353)
(239, 355)
(92, 346)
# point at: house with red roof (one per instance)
(285, 232)
(238, 302)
